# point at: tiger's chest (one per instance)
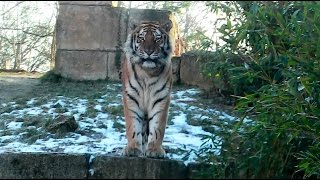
(147, 88)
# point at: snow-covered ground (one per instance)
(103, 132)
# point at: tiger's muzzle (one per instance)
(149, 59)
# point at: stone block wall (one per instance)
(87, 34)
(79, 166)
(90, 36)
(190, 72)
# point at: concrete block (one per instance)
(93, 3)
(114, 63)
(82, 65)
(119, 167)
(42, 166)
(37, 165)
(138, 15)
(87, 35)
(190, 72)
(89, 27)
(176, 69)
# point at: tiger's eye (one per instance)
(139, 40)
(158, 39)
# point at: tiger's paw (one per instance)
(155, 153)
(126, 151)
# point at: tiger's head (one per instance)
(149, 44)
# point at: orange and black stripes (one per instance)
(147, 82)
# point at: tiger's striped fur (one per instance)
(146, 75)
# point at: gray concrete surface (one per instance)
(86, 166)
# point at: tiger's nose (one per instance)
(149, 51)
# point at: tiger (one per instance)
(146, 76)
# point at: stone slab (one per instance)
(85, 33)
(190, 72)
(82, 65)
(93, 3)
(118, 167)
(176, 69)
(114, 61)
(45, 165)
(42, 166)
(89, 27)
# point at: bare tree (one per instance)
(24, 36)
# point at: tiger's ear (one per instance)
(132, 25)
(167, 26)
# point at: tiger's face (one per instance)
(149, 44)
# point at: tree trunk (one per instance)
(17, 60)
(120, 4)
(2, 60)
(154, 4)
(187, 24)
(15, 53)
(53, 50)
(165, 5)
(130, 4)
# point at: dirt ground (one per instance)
(13, 85)
(17, 84)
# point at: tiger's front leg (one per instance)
(133, 121)
(157, 126)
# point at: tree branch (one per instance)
(27, 32)
(18, 3)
